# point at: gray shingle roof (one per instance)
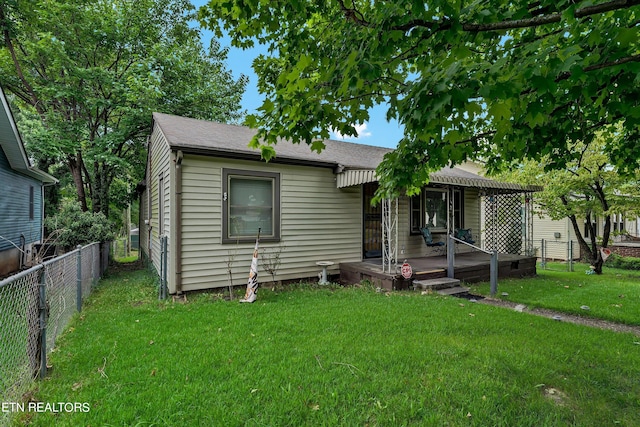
(201, 135)
(359, 160)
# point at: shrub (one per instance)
(71, 226)
(623, 262)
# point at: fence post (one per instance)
(543, 251)
(79, 278)
(493, 272)
(450, 257)
(570, 255)
(42, 312)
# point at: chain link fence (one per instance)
(35, 307)
(558, 255)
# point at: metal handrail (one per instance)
(493, 266)
(469, 244)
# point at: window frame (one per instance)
(274, 177)
(594, 222)
(458, 211)
(413, 209)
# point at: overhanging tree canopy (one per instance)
(95, 70)
(497, 80)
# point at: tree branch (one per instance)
(32, 97)
(539, 18)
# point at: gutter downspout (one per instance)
(178, 222)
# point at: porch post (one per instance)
(451, 254)
(389, 234)
(493, 272)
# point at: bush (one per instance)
(623, 262)
(71, 226)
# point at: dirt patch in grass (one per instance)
(564, 317)
(123, 267)
(555, 395)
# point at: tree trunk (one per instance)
(590, 250)
(75, 166)
(103, 176)
(597, 264)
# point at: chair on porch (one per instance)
(464, 234)
(428, 238)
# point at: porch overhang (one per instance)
(447, 176)
(353, 177)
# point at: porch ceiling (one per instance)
(448, 176)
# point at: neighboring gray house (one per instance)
(209, 193)
(21, 196)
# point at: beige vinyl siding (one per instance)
(556, 247)
(160, 156)
(472, 208)
(143, 227)
(318, 223)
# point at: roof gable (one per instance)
(13, 148)
(217, 138)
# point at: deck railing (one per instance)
(451, 255)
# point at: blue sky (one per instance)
(376, 132)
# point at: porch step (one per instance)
(435, 284)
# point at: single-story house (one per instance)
(21, 196)
(209, 193)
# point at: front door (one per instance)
(372, 223)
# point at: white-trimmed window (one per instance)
(594, 225)
(430, 208)
(251, 201)
(618, 222)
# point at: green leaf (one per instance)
(267, 152)
(317, 146)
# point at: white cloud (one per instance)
(361, 130)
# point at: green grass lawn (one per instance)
(614, 295)
(332, 356)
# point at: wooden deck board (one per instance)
(468, 267)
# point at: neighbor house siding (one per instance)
(318, 223)
(14, 207)
(556, 247)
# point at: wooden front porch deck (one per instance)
(468, 267)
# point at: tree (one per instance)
(71, 226)
(94, 70)
(499, 80)
(586, 188)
